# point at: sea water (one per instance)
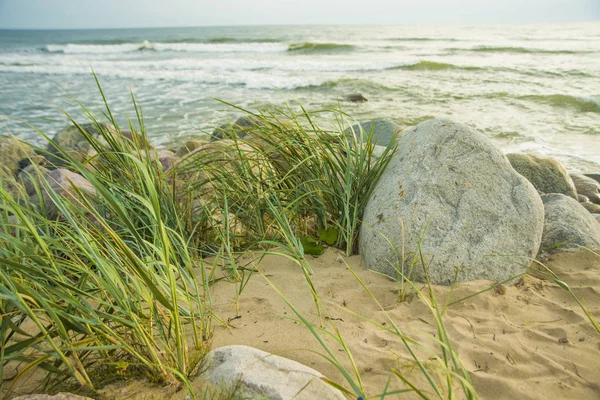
(529, 88)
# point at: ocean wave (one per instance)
(353, 84)
(432, 65)
(421, 39)
(258, 47)
(518, 50)
(580, 103)
(241, 40)
(309, 47)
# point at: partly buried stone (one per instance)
(66, 184)
(12, 151)
(383, 131)
(587, 187)
(240, 128)
(568, 225)
(59, 396)
(72, 142)
(267, 376)
(449, 188)
(545, 174)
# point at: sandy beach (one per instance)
(528, 341)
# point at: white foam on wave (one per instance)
(72, 48)
(185, 65)
(248, 78)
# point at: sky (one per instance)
(81, 14)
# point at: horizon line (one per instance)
(284, 25)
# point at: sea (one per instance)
(528, 88)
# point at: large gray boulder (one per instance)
(448, 185)
(545, 174)
(587, 187)
(567, 225)
(264, 375)
(383, 131)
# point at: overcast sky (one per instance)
(56, 14)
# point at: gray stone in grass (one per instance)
(240, 128)
(264, 375)
(66, 184)
(383, 131)
(568, 225)
(450, 186)
(72, 142)
(166, 158)
(545, 174)
(587, 187)
(59, 396)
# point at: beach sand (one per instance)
(529, 341)
(525, 341)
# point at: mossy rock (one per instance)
(12, 151)
(545, 174)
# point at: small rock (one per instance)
(582, 199)
(567, 225)
(545, 174)
(12, 151)
(356, 98)
(189, 146)
(587, 187)
(383, 131)
(595, 177)
(240, 128)
(591, 207)
(72, 142)
(63, 182)
(266, 375)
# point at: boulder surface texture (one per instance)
(450, 189)
(264, 375)
(568, 225)
(545, 174)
